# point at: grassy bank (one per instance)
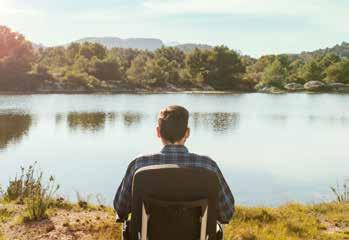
(291, 221)
(31, 209)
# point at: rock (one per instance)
(314, 86)
(294, 87)
(273, 90)
(276, 90)
(339, 87)
(335, 85)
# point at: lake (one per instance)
(272, 149)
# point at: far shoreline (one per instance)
(140, 92)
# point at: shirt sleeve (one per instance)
(123, 196)
(226, 204)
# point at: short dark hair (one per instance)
(173, 123)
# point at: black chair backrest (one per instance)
(175, 198)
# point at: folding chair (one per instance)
(174, 203)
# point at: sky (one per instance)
(254, 27)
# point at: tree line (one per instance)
(91, 66)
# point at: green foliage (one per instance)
(171, 54)
(198, 65)
(106, 69)
(16, 57)
(338, 72)
(341, 50)
(30, 189)
(329, 59)
(294, 70)
(135, 74)
(275, 74)
(75, 80)
(90, 50)
(155, 72)
(21, 187)
(225, 69)
(39, 200)
(91, 66)
(312, 71)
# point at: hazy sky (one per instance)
(255, 27)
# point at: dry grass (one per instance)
(291, 222)
(328, 221)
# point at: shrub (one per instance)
(30, 189)
(83, 202)
(39, 200)
(342, 194)
(20, 187)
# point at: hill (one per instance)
(189, 47)
(149, 44)
(341, 50)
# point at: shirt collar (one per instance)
(172, 148)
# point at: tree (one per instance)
(135, 74)
(106, 69)
(73, 51)
(311, 71)
(170, 60)
(81, 64)
(338, 72)
(16, 56)
(329, 59)
(55, 57)
(294, 71)
(89, 50)
(171, 54)
(198, 65)
(274, 74)
(226, 69)
(154, 73)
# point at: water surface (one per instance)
(271, 148)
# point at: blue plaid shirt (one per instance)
(179, 155)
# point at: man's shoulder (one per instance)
(161, 155)
(195, 159)
(202, 157)
(147, 156)
(144, 157)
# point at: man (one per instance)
(173, 131)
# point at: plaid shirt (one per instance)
(179, 155)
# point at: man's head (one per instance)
(173, 125)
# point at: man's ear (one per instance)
(158, 134)
(187, 133)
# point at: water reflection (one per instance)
(330, 120)
(275, 120)
(132, 118)
(59, 118)
(96, 121)
(13, 127)
(86, 121)
(219, 122)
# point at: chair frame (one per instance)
(203, 204)
(143, 197)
